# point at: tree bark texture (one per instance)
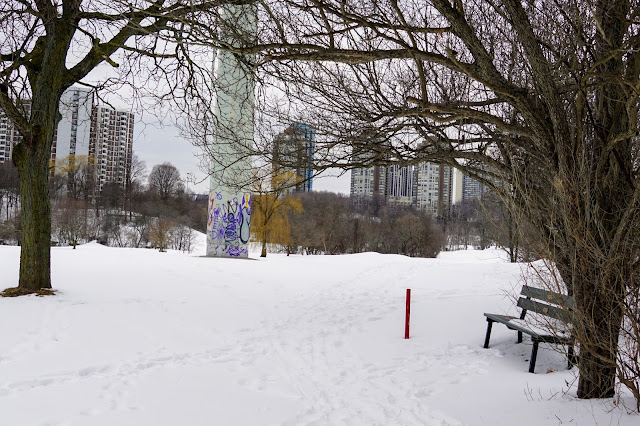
(35, 254)
(598, 343)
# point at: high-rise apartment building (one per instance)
(293, 151)
(369, 182)
(426, 186)
(446, 190)
(73, 131)
(456, 192)
(400, 185)
(433, 191)
(111, 145)
(9, 135)
(472, 189)
(72, 134)
(102, 134)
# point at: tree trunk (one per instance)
(598, 329)
(264, 242)
(512, 237)
(598, 254)
(604, 270)
(35, 254)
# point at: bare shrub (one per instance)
(182, 238)
(160, 233)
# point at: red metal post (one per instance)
(406, 323)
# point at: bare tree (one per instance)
(69, 224)
(134, 179)
(160, 233)
(47, 46)
(164, 181)
(182, 238)
(111, 197)
(76, 176)
(540, 95)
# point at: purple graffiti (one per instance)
(228, 225)
(235, 251)
(245, 218)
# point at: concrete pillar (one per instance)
(229, 212)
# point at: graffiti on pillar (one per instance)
(245, 213)
(228, 225)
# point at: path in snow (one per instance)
(137, 337)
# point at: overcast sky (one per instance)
(156, 144)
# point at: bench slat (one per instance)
(539, 335)
(544, 309)
(500, 318)
(548, 296)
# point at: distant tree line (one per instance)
(330, 223)
(157, 213)
(155, 210)
(490, 221)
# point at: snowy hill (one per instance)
(138, 337)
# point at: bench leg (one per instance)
(488, 336)
(534, 354)
(519, 336)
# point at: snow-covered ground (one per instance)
(138, 337)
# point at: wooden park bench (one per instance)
(551, 308)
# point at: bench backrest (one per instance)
(544, 302)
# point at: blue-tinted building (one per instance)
(293, 153)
